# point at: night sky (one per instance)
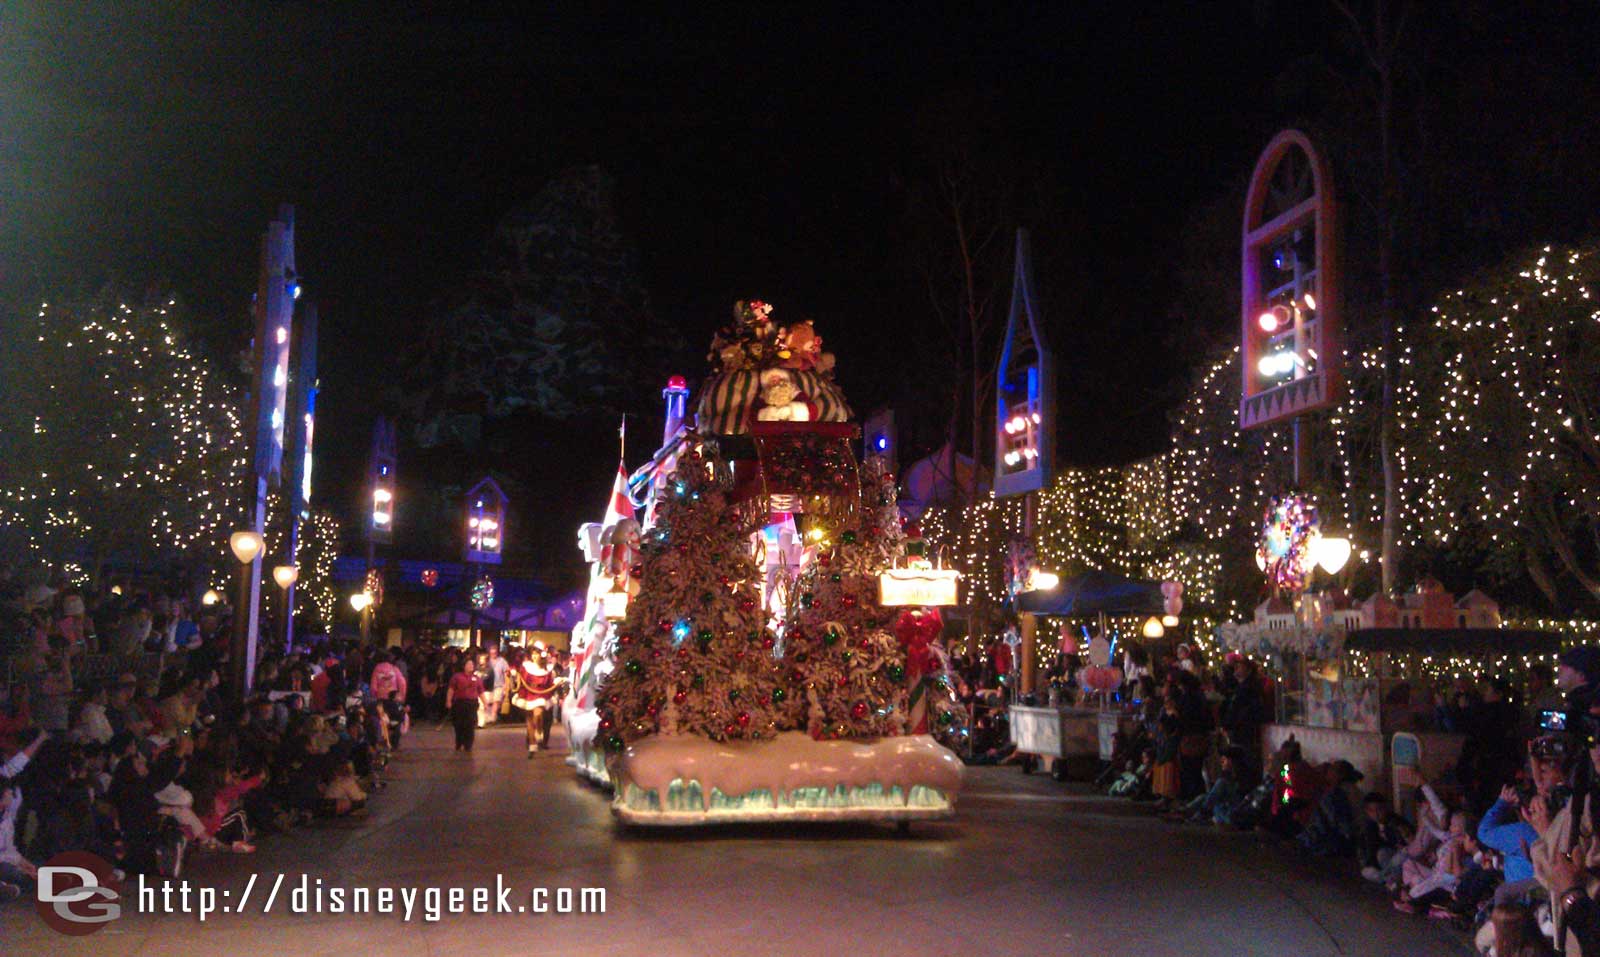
(756, 150)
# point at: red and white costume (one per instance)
(536, 687)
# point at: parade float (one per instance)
(767, 666)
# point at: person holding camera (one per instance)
(1566, 857)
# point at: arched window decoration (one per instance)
(1290, 350)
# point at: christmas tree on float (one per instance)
(693, 655)
(846, 670)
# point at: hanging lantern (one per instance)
(482, 595)
(614, 605)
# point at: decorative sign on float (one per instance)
(918, 586)
(1290, 348)
(1025, 396)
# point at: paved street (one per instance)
(1028, 867)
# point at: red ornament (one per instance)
(652, 711)
(849, 601)
(747, 605)
(624, 640)
(768, 643)
(858, 710)
(636, 571)
(743, 718)
(663, 625)
(430, 577)
(680, 696)
(732, 730)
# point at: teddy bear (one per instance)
(799, 347)
(784, 400)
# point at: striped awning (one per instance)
(729, 400)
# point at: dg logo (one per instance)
(78, 893)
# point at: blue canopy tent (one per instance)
(1093, 594)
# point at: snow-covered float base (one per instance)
(687, 780)
(584, 757)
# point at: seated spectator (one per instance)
(16, 871)
(93, 724)
(15, 718)
(341, 792)
(1226, 793)
(1331, 831)
(1296, 790)
(1505, 829)
(121, 710)
(1384, 835)
(1135, 782)
(1421, 882)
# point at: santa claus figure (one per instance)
(537, 688)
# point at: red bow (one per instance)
(917, 629)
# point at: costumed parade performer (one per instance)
(537, 689)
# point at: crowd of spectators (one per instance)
(120, 735)
(1491, 846)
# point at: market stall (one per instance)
(1345, 694)
(1060, 732)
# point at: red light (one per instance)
(677, 382)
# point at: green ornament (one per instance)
(847, 655)
(733, 695)
(896, 673)
(705, 636)
(806, 598)
(778, 694)
(633, 666)
(946, 719)
(830, 637)
(836, 578)
(848, 538)
(614, 743)
(707, 597)
(916, 548)
(699, 681)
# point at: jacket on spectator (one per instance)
(1504, 830)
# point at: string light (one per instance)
(167, 436)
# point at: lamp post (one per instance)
(486, 519)
(247, 546)
(362, 602)
(286, 576)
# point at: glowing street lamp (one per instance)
(361, 601)
(1332, 554)
(1153, 627)
(285, 575)
(246, 545)
(210, 597)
